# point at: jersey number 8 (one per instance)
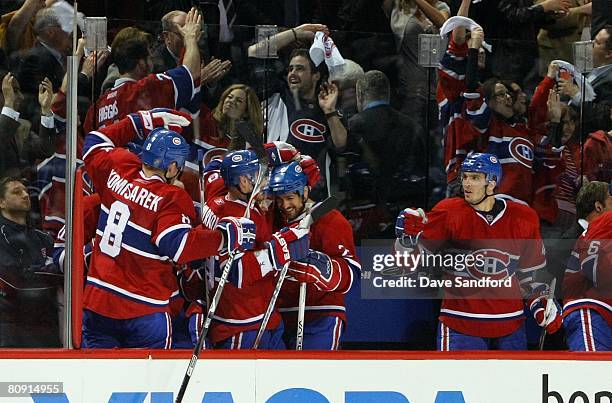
(118, 217)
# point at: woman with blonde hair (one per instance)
(218, 126)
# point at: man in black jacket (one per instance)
(48, 56)
(28, 301)
(391, 143)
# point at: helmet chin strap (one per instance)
(483, 197)
(169, 180)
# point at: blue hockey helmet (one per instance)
(237, 164)
(487, 164)
(163, 147)
(287, 178)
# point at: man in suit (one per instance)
(48, 56)
(597, 112)
(168, 54)
(391, 143)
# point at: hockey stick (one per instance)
(257, 144)
(316, 212)
(299, 339)
(551, 295)
(202, 201)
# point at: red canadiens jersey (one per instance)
(511, 247)
(331, 234)
(144, 226)
(250, 284)
(213, 147)
(588, 276)
(174, 89)
(51, 180)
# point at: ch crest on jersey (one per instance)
(308, 130)
(492, 263)
(522, 150)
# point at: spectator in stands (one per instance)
(555, 41)
(409, 19)
(138, 89)
(168, 55)
(48, 56)
(28, 306)
(596, 113)
(217, 131)
(18, 32)
(302, 114)
(20, 148)
(346, 79)
(598, 156)
(513, 26)
(391, 143)
(563, 134)
(122, 36)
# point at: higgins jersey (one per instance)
(587, 283)
(251, 281)
(174, 89)
(510, 247)
(145, 226)
(331, 234)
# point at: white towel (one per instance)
(324, 49)
(65, 14)
(458, 21)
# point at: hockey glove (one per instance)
(238, 234)
(280, 152)
(213, 166)
(317, 269)
(547, 314)
(311, 169)
(410, 224)
(146, 121)
(288, 244)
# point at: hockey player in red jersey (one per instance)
(328, 269)
(587, 284)
(252, 277)
(504, 238)
(145, 225)
(137, 89)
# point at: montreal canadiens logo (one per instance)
(176, 141)
(492, 263)
(493, 159)
(236, 158)
(522, 151)
(308, 130)
(298, 169)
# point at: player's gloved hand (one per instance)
(316, 268)
(213, 165)
(280, 152)
(146, 121)
(547, 314)
(288, 244)
(410, 224)
(310, 169)
(238, 234)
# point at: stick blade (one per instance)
(320, 209)
(245, 129)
